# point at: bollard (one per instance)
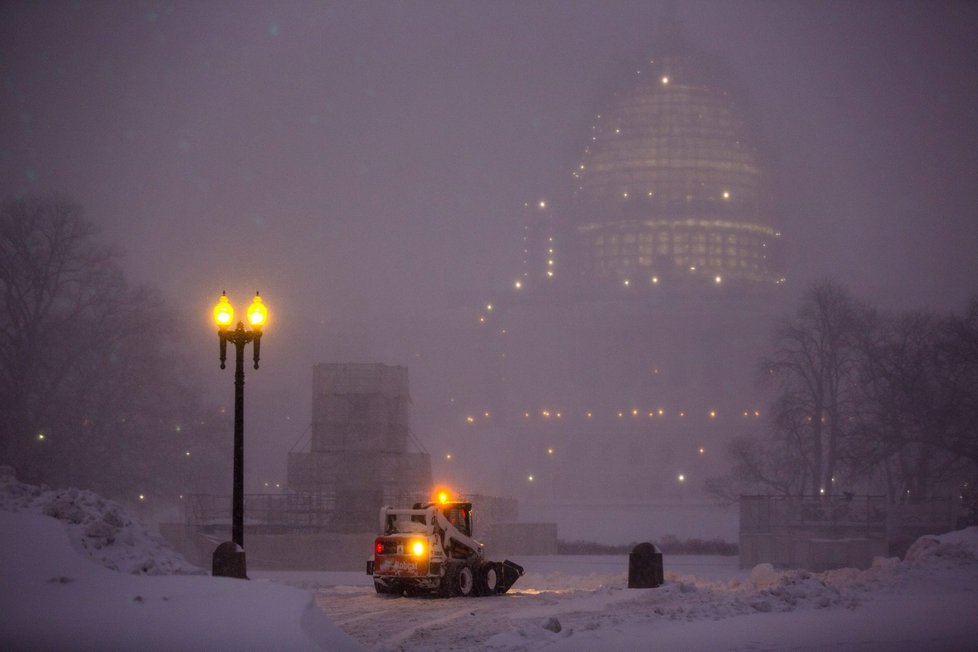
(229, 561)
(644, 567)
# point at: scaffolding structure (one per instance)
(360, 448)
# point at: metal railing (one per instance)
(771, 514)
(271, 512)
(279, 513)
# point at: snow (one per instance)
(77, 572)
(562, 603)
(98, 527)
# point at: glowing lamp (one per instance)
(257, 312)
(379, 548)
(417, 548)
(223, 312)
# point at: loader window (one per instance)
(459, 517)
(399, 523)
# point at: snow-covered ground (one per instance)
(929, 602)
(76, 572)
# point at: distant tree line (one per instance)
(94, 392)
(865, 401)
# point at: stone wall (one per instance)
(825, 532)
(324, 552)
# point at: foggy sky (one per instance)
(366, 162)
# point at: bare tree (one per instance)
(89, 393)
(865, 399)
(760, 465)
(956, 356)
(52, 275)
(814, 369)
(909, 403)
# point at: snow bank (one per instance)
(98, 527)
(56, 552)
(959, 547)
(923, 602)
(947, 559)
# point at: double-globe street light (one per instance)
(229, 558)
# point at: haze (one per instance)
(363, 165)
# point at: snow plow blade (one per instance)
(510, 572)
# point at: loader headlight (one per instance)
(417, 548)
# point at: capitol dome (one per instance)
(670, 183)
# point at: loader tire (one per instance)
(465, 584)
(459, 580)
(447, 587)
(488, 578)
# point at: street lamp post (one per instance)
(229, 559)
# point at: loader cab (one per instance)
(400, 522)
(459, 515)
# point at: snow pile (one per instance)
(99, 527)
(55, 596)
(590, 604)
(953, 548)
(794, 589)
(530, 637)
(686, 597)
(772, 590)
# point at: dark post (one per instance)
(237, 500)
(229, 558)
